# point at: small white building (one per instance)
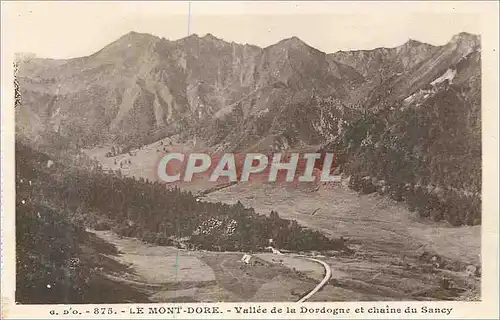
(246, 258)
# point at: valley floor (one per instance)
(168, 274)
(389, 243)
(376, 223)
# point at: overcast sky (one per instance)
(72, 29)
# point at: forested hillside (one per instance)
(150, 211)
(57, 261)
(425, 152)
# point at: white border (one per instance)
(487, 308)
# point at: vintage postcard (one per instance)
(230, 160)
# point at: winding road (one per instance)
(328, 270)
(328, 274)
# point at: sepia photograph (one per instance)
(179, 152)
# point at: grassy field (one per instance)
(167, 274)
(375, 224)
(388, 240)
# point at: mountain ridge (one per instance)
(179, 84)
(33, 55)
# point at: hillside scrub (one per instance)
(428, 156)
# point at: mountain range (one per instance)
(141, 86)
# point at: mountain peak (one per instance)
(294, 40)
(210, 36)
(133, 38)
(413, 43)
(467, 41)
(465, 36)
(213, 39)
(136, 35)
(129, 42)
(191, 37)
